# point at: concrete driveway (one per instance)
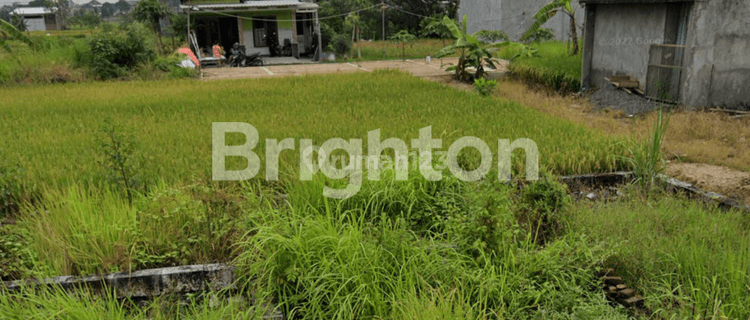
(418, 67)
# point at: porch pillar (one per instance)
(320, 41)
(588, 44)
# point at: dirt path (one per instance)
(418, 67)
(727, 181)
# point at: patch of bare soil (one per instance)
(729, 182)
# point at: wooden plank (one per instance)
(629, 84)
(665, 66)
(618, 78)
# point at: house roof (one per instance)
(254, 5)
(34, 11)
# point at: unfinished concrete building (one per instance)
(513, 17)
(696, 53)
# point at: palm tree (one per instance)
(8, 31)
(547, 12)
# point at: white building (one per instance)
(38, 18)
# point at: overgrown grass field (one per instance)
(413, 249)
(54, 140)
(418, 49)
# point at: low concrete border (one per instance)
(672, 184)
(145, 283)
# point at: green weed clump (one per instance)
(485, 87)
(552, 66)
(80, 232)
(422, 205)
(343, 264)
(16, 259)
(646, 159)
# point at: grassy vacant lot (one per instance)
(54, 140)
(553, 68)
(418, 49)
(412, 249)
(65, 56)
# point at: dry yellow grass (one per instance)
(701, 137)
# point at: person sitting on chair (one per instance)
(219, 53)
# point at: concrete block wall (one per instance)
(622, 38)
(718, 60)
(717, 56)
(514, 17)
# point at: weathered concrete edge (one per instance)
(144, 283)
(672, 184)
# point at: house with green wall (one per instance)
(255, 24)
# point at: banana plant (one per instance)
(8, 31)
(471, 52)
(403, 37)
(547, 12)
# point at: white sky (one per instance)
(4, 2)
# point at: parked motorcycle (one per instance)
(240, 59)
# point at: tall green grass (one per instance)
(54, 140)
(688, 261)
(419, 49)
(553, 68)
(57, 62)
(57, 303)
(82, 231)
(646, 159)
(342, 264)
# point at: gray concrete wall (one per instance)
(514, 17)
(481, 14)
(622, 38)
(718, 59)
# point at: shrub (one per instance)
(491, 36)
(541, 206)
(113, 51)
(183, 225)
(16, 259)
(485, 87)
(487, 225)
(543, 34)
(341, 43)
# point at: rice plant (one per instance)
(646, 158)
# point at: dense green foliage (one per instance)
(125, 51)
(116, 50)
(485, 87)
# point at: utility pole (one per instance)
(382, 9)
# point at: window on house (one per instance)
(262, 27)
